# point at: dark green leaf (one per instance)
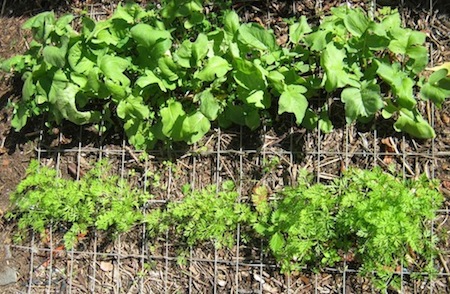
(362, 102)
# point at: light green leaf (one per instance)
(157, 42)
(293, 101)
(195, 126)
(401, 84)
(133, 107)
(183, 55)
(405, 39)
(231, 22)
(413, 123)
(254, 98)
(332, 60)
(317, 41)
(168, 68)
(78, 58)
(117, 91)
(200, 48)
(276, 79)
(65, 104)
(28, 89)
(298, 30)
(325, 124)
(20, 116)
(257, 37)
(277, 242)
(356, 22)
(437, 89)
(42, 25)
(55, 56)
(172, 117)
(362, 102)
(150, 78)
(209, 105)
(79, 79)
(216, 67)
(418, 58)
(113, 68)
(249, 76)
(62, 25)
(122, 13)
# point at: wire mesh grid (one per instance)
(131, 263)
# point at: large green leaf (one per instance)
(249, 76)
(55, 56)
(133, 107)
(418, 59)
(113, 68)
(276, 80)
(298, 30)
(123, 14)
(257, 37)
(79, 58)
(169, 68)
(254, 98)
(156, 41)
(200, 48)
(216, 67)
(437, 89)
(28, 89)
(209, 105)
(183, 55)
(356, 22)
(150, 78)
(172, 117)
(401, 84)
(318, 40)
(66, 106)
(195, 126)
(332, 60)
(362, 102)
(405, 39)
(413, 123)
(62, 25)
(231, 23)
(20, 116)
(293, 101)
(42, 25)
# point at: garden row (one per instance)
(369, 218)
(171, 73)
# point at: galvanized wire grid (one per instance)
(132, 263)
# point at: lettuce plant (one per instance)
(167, 74)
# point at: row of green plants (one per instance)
(369, 218)
(171, 73)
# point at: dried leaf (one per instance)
(106, 266)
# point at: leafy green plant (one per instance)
(389, 221)
(208, 215)
(168, 74)
(368, 217)
(96, 201)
